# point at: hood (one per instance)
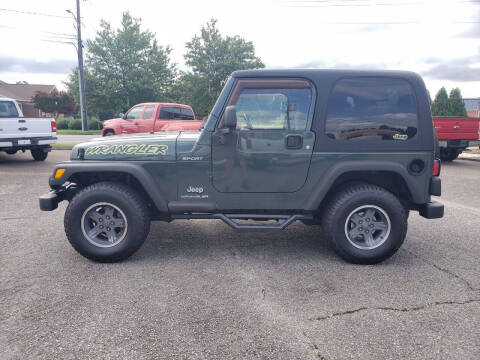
(144, 147)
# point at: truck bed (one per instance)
(22, 131)
(456, 128)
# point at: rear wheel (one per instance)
(38, 154)
(107, 222)
(447, 154)
(365, 223)
(11, 151)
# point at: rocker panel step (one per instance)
(282, 220)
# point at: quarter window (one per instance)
(372, 109)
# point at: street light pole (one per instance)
(81, 78)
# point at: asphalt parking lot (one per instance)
(199, 290)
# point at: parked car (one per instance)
(454, 134)
(275, 149)
(152, 117)
(21, 133)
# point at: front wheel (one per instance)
(365, 223)
(38, 154)
(107, 222)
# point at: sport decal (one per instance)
(127, 149)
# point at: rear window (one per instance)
(8, 109)
(187, 114)
(175, 113)
(372, 109)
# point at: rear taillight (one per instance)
(436, 167)
(54, 126)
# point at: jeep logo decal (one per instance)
(400, 137)
(127, 149)
(192, 189)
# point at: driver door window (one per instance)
(283, 106)
(135, 113)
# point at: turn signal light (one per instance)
(59, 173)
(54, 126)
(436, 168)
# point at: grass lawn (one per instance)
(78, 132)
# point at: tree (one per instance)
(123, 67)
(212, 59)
(456, 104)
(54, 102)
(441, 105)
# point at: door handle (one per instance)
(456, 127)
(294, 142)
(136, 123)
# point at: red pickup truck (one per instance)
(454, 134)
(148, 117)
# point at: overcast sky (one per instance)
(440, 39)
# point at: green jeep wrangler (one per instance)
(352, 151)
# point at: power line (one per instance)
(42, 31)
(367, 2)
(34, 13)
(327, 3)
(397, 23)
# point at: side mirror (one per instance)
(121, 115)
(230, 117)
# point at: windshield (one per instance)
(8, 109)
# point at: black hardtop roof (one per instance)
(313, 73)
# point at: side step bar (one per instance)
(282, 221)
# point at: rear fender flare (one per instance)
(329, 178)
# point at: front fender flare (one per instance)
(135, 170)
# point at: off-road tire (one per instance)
(125, 198)
(449, 154)
(340, 205)
(38, 154)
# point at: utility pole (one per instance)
(81, 78)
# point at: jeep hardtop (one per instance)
(352, 151)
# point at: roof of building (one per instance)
(472, 103)
(23, 92)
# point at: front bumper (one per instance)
(49, 202)
(432, 210)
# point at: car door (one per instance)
(145, 124)
(165, 115)
(131, 121)
(270, 149)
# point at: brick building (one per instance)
(23, 93)
(473, 107)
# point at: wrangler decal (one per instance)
(127, 149)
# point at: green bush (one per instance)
(75, 124)
(62, 124)
(94, 124)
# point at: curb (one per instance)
(469, 158)
(63, 147)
